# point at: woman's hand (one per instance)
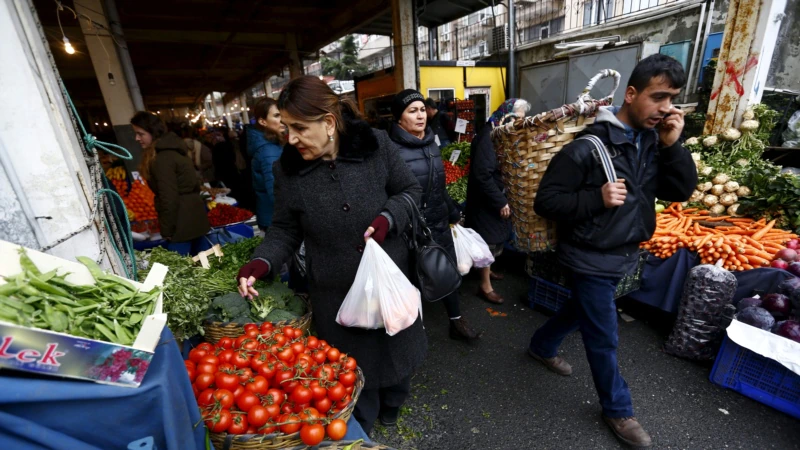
(248, 275)
(505, 212)
(378, 230)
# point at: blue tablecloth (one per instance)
(58, 413)
(663, 279)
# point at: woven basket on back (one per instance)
(525, 148)
(214, 331)
(225, 441)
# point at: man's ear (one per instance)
(630, 94)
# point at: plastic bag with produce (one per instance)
(381, 296)
(463, 256)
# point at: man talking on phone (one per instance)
(601, 222)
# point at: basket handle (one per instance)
(605, 73)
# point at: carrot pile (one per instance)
(744, 245)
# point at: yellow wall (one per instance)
(453, 78)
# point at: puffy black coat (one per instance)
(438, 208)
(328, 205)
(485, 187)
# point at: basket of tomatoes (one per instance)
(273, 388)
(345, 445)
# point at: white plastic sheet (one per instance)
(772, 346)
(381, 296)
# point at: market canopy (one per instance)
(182, 50)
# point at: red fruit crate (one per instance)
(755, 376)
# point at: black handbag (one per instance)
(433, 271)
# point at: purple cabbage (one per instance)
(790, 329)
(756, 317)
(748, 302)
(790, 287)
(777, 304)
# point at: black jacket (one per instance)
(485, 187)
(437, 206)
(328, 205)
(596, 240)
(443, 127)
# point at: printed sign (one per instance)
(465, 63)
(461, 126)
(454, 156)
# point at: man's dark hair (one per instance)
(655, 66)
(431, 103)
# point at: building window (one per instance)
(441, 94)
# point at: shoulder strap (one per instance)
(602, 153)
(429, 157)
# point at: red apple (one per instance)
(779, 264)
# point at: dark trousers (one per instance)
(190, 248)
(592, 311)
(372, 401)
(444, 237)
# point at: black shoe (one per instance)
(388, 416)
(460, 330)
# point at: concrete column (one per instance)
(295, 66)
(404, 33)
(748, 42)
(268, 87)
(245, 114)
(110, 77)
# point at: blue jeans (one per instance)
(190, 248)
(592, 310)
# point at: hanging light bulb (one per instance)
(111, 80)
(158, 112)
(248, 108)
(68, 47)
(105, 124)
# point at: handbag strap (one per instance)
(428, 191)
(418, 224)
(605, 157)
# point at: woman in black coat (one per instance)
(487, 209)
(338, 183)
(416, 143)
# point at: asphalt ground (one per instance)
(492, 395)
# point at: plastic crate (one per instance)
(757, 377)
(546, 295)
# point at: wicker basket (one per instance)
(339, 445)
(525, 148)
(214, 331)
(225, 441)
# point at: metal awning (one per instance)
(431, 13)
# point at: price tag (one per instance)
(461, 126)
(436, 138)
(454, 156)
(136, 176)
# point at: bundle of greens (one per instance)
(275, 303)
(463, 158)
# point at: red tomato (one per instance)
(325, 372)
(347, 378)
(196, 355)
(206, 398)
(210, 359)
(247, 401)
(333, 354)
(292, 423)
(341, 404)
(337, 429)
(323, 405)
(349, 363)
(281, 376)
(250, 344)
(239, 391)
(227, 381)
(258, 360)
(257, 385)
(303, 366)
(219, 421)
(237, 344)
(250, 428)
(240, 360)
(287, 408)
(239, 424)
(301, 395)
(298, 408)
(207, 368)
(317, 391)
(312, 342)
(312, 434)
(266, 327)
(286, 355)
(269, 428)
(225, 343)
(280, 339)
(298, 347)
(350, 390)
(226, 356)
(288, 331)
(244, 375)
(206, 346)
(195, 391)
(204, 381)
(275, 397)
(272, 410)
(290, 386)
(250, 326)
(252, 333)
(189, 363)
(267, 371)
(257, 416)
(226, 367)
(336, 392)
(323, 344)
(310, 415)
(319, 356)
(224, 397)
(192, 373)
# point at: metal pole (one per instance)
(691, 78)
(124, 56)
(709, 19)
(512, 46)
(431, 43)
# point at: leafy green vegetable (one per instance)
(279, 315)
(458, 190)
(231, 307)
(775, 196)
(463, 158)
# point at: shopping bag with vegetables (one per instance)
(477, 247)
(381, 296)
(463, 256)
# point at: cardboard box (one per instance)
(51, 353)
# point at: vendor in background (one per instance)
(264, 147)
(443, 128)
(601, 223)
(172, 178)
(199, 154)
(487, 210)
(416, 144)
(337, 184)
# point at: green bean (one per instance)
(66, 309)
(87, 308)
(118, 331)
(9, 288)
(27, 264)
(49, 288)
(106, 332)
(18, 305)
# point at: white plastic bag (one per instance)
(463, 257)
(476, 247)
(381, 296)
